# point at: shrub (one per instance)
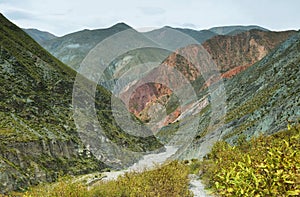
(265, 166)
(65, 187)
(167, 180)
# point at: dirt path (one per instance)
(197, 187)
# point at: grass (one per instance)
(167, 180)
(63, 188)
(170, 179)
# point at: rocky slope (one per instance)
(231, 54)
(244, 49)
(39, 36)
(260, 100)
(39, 138)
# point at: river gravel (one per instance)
(149, 161)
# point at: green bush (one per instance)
(167, 180)
(65, 187)
(170, 179)
(264, 166)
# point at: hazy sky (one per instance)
(64, 16)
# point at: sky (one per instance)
(61, 17)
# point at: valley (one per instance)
(149, 112)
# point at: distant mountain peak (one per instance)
(167, 26)
(121, 25)
(234, 29)
(38, 35)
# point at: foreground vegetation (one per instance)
(166, 180)
(263, 166)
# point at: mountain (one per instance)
(232, 30)
(262, 99)
(160, 34)
(201, 36)
(256, 91)
(71, 49)
(234, 53)
(46, 131)
(231, 54)
(39, 36)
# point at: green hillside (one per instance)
(39, 140)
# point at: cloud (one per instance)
(11, 2)
(152, 10)
(16, 11)
(19, 15)
(189, 25)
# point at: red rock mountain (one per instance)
(231, 54)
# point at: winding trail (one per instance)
(197, 188)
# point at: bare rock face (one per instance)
(231, 54)
(39, 161)
(147, 93)
(262, 99)
(243, 50)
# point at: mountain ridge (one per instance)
(224, 30)
(39, 36)
(261, 100)
(72, 48)
(231, 54)
(40, 139)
